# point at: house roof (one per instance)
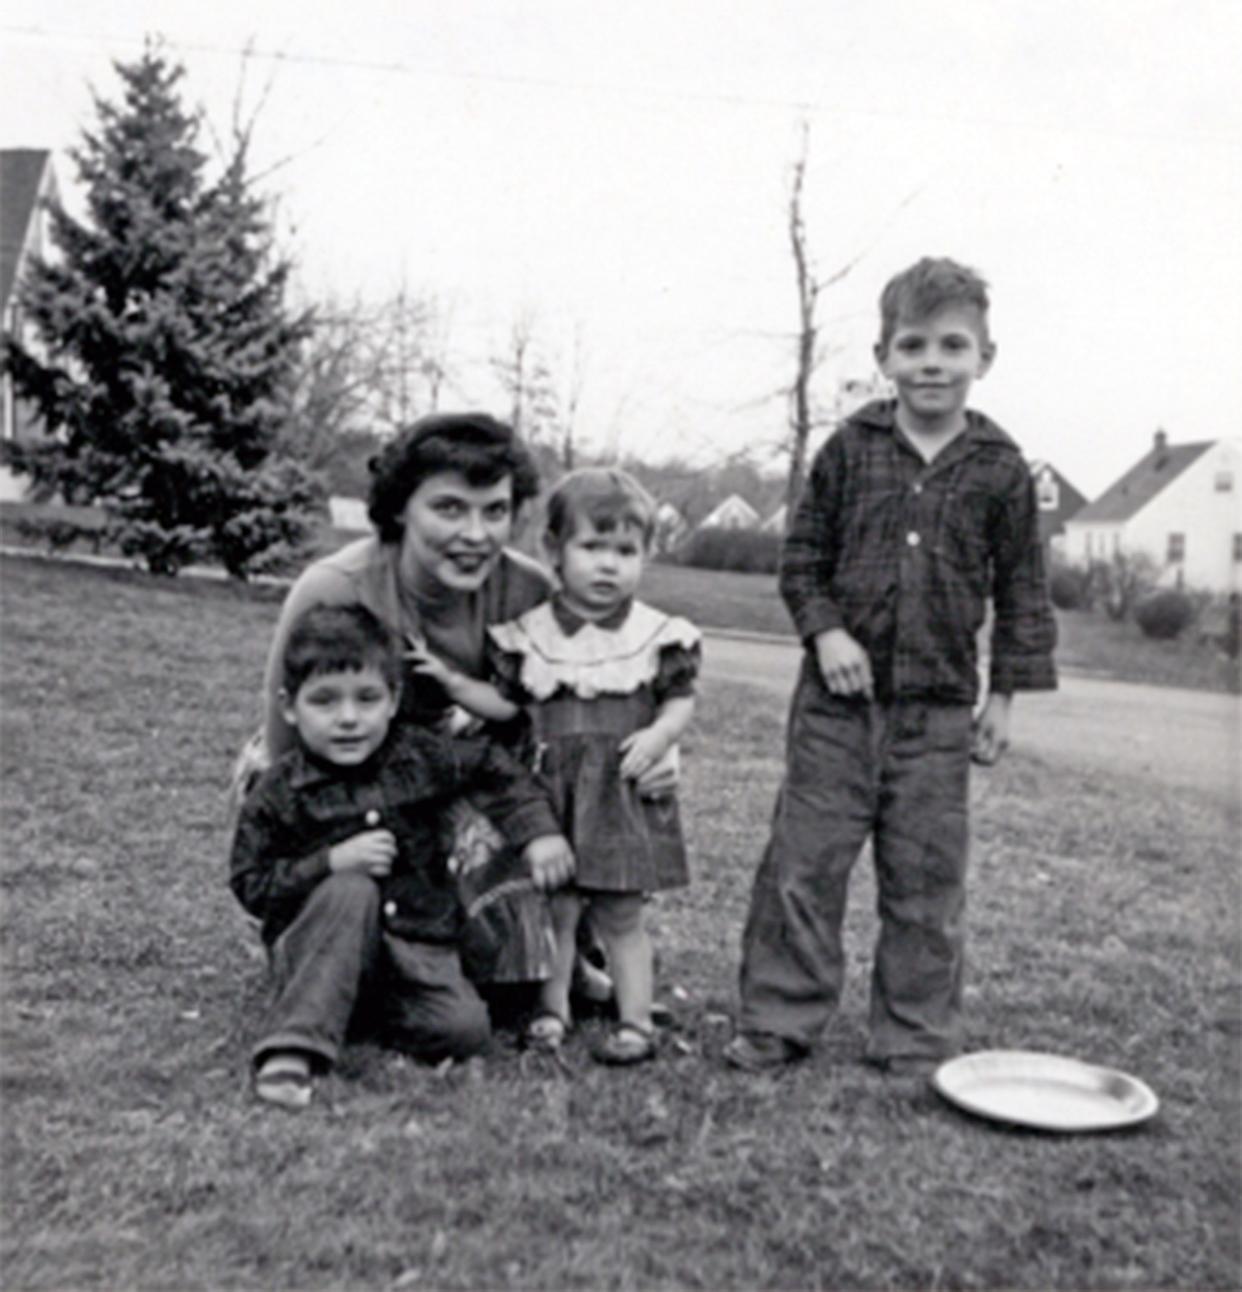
(21, 173)
(733, 505)
(1153, 472)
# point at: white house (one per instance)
(670, 527)
(1180, 505)
(775, 523)
(27, 179)
(734, 513)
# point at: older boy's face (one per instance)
(343, 717)
(933, 361)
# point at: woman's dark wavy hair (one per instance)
(481, 448)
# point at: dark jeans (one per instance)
(898, 773)
(335, 971)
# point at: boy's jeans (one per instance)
(335, 970)
(899, 772)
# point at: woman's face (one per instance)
(454, 531)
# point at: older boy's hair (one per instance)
(609, 498)
(339, 639)
(926, 287)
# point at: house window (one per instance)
(1177, 549)
(1237, 547)
(1047, 492)
(1224, 481)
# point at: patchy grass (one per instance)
(1104, 924)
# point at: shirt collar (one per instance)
(308, 770)
(570, 622)
(881, 415)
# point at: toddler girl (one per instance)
(610, 685)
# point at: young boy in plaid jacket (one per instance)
(915, 512)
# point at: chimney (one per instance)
(1161, 448)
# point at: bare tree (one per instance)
(808, 333)
(526, 379)
(809, 350)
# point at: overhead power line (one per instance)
(629, 89)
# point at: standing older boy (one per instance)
(915, 512)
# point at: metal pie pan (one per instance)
(1046, 1091)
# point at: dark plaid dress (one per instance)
(588, 685)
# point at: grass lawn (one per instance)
(1104, 924)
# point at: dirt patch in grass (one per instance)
(1104, 917)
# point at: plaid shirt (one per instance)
(302, 806)
(903, 554)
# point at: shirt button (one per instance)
(917, 487)
(913, 538)
(372, 818)
(390, 909)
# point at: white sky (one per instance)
(621, 170)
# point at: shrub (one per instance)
(1164, 615)
(1070, 587)
(749, 551)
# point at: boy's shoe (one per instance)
(762, 1052)
(284, 1078)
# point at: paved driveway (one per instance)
(1189, 739)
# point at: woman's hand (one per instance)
(641, 751)
(371, 852)
(551, 860)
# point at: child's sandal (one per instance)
(284, 1079)
(625, 1044)
(546, 1032)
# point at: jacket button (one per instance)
(390, 909)
(913, 538)
(372, 818)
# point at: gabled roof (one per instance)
(21, 173)
(1155, 471)
(734, 506)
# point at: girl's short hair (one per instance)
(339, 639)
(481, 448)
(609, 498)
(927, 287)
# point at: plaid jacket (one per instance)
(904, 555)
(301, 807)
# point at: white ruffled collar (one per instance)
(593, 659)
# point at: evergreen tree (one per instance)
(166, 356)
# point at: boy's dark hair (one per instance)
(926, 287)
(339, 639)
(481, 448)
(610, 499)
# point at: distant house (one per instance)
(1179, 506)
(775, 523)
(734, 513)
(1057, 499)
(670, 527)
(27, 179)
